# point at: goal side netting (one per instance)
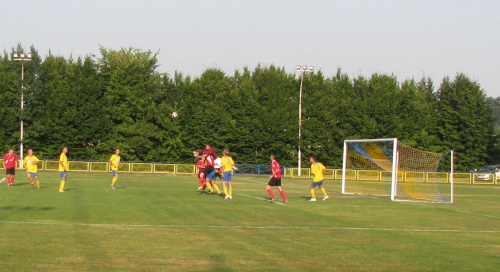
(387, 167)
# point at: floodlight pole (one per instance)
(21, 57)
(303, 70)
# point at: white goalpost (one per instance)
(387, 167)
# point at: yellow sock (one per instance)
(31, 180)
(313, 194)
(209, 186)
(38, 184)
(231, 191)
(217, 188)
(61, 186)
(113, 181)
(225, 191)
(324, 191)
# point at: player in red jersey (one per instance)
(210, 151)
(9, 163)
(275, 180)
(200, 165)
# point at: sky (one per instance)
(405, 38)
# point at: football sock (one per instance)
(204, 186)
(209, 186)
(31, 180)
(216, 188)
(61, 185)
(113, 181)
(271, 193)
(231, 191)
(324, 191)
(282, 193)
(225, 191)
(37, 184)
(313, 194)
(12, 180)
(201, 181)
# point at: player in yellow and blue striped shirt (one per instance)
(317, 171)
(227, 171)
(31, 164)
(114, 163)
(63, 168)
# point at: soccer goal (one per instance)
(387, 167)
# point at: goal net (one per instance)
(387, 167)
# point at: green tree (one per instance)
(465, 123)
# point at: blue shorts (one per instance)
(227, 176)
(211, 176)
(314, 184)
(33, 174)
(114, 172)
(62, 174)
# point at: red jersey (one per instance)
(200, 165)
(209, 160)
(210, 151)
(10, 160)
(276, 169)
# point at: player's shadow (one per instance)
(21, 184)
(69, 189)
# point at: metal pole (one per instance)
(299, 172)
(21, 125)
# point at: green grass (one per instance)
(160, 223)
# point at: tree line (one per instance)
(119, 99)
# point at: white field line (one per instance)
(248, 227)
(477, 214)
(285, 186)
(259, 198)
(1, 180)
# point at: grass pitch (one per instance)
(160, 223)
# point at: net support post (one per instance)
(394, 169)
(452, 174)
(344, 163)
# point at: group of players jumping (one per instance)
(210, 166)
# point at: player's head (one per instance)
(64, 150)
(225, 151)
(272, 157)
(208, 146)
(117, 151)
(196, 154)
(11, 151)
(312, 159)
(30, 152)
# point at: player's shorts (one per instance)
(314, 184)
(274, 182)
(114, 172)
(63, 174)
(11, 171)
(32, 174)
(209, 169)
(227, 176)
(211, 176)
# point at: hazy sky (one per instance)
(409, 39)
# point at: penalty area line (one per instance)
(250, 227)
(260, 198)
